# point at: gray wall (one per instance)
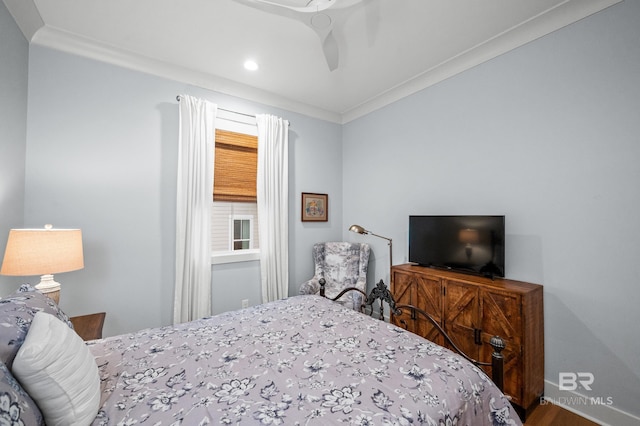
(102, 154)
(548, 135)
(14, 55)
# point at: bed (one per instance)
(300, 360)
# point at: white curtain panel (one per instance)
(193, 214)
(273, 205)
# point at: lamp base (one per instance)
(49, 287)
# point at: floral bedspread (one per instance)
(301, 360)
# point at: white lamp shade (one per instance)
(42, 251)
(469, 236)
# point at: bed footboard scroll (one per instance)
(381, 292)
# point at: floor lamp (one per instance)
(360, 230)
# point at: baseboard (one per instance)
(599, 410)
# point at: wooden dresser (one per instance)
(472, 309)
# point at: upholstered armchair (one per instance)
(342, 265)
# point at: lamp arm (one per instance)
(360, 230)
(380, 236)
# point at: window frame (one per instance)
(241, 124)
(232, 239)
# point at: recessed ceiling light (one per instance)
(251, 65)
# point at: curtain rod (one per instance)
(227, 110)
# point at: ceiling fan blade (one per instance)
(330, 49)
(271, 8)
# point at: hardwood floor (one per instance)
(551, 415)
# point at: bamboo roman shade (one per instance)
(235, 169)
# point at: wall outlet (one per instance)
(245, 303)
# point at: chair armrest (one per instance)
(310, 287)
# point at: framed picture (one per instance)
(315, 207)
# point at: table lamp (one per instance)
(468, 237)
(44, 252)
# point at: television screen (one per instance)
(473, 244)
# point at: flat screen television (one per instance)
(471, 244)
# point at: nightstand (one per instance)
(89, 327)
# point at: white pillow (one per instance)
(59, 372)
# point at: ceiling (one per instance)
(386, 49)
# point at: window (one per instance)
(223, 227)
(242, 233)
(234, 230)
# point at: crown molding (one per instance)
(545, 23)
(31, 24)
(26, 15)
(61, 40)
